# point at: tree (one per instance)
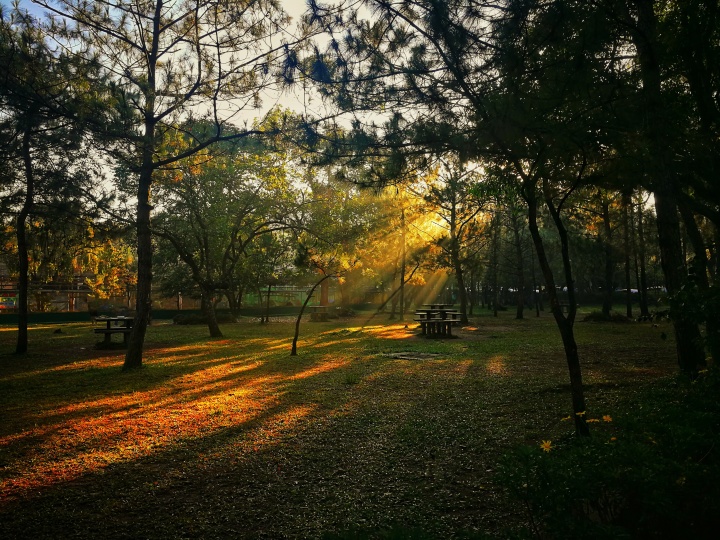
(514, 211)
(477, 80)
(216, 205)
(453, 196)
(43, 100)
(637, 223)
(608, 252)
(112, 265)
(644, 23)
(327, 264)
(168, 62)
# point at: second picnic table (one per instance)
(318, 313)
(115, 325)
(436, 320)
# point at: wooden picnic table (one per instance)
(318, 313)
(436, 320)
(114, 325)
(440, 307)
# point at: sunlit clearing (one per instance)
(496, 366)
(434, 287)
(322, 368)
(86, 436)
(393, 331)
(270, 432)
(31, 328)
(275, 344)
(332, 343)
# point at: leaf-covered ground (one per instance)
(366, 430)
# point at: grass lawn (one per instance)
(366, 429)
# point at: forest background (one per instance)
(515, 157)
(568, 147)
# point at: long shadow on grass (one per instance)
(154, 408)
(359, 447)
(323, 442)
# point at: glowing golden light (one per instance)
(393, 331)
(81, 437)
(322, 368)
(497, 366)
(199, 389)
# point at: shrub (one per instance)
(341, 311)
(200, 318)
(598, 316)
(653, 474)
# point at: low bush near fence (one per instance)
(199, 318)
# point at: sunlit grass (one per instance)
(497, 365)
(343, 420)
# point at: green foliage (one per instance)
(699, 305)
(199, 318)
(599, 316)
(652, 474)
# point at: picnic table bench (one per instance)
(114, 325)
(436, 320)
(318, 313)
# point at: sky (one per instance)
(294, 7)
(295, 99)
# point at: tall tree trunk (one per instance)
(643, 288)
(520, 265)
(565, 324)
(21, 235)
(626, 202)
(462, 292)
(325, 293)
(143, 300)
(495, 262)
(208, 308)
(472, 289)
(344, 287)
(266, 318)
(403, 262)
(700, 271)
(687, 334)
(635, 257)
(293, 350)
(458, 268)
(394, 298)
(537, 292)
(234, 302)
(609, 262)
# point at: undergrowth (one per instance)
(651, 472)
